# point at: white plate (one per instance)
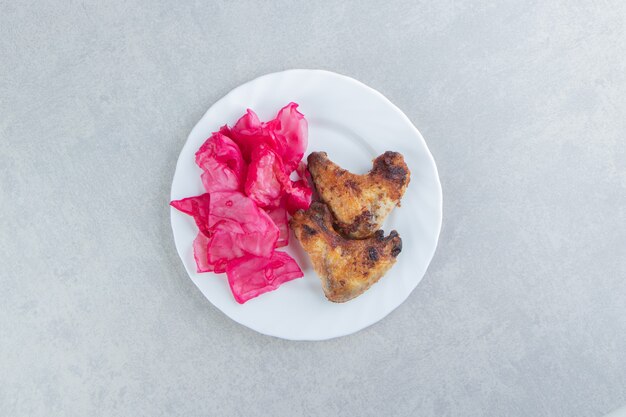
(354, 124)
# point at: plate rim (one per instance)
(433, 166)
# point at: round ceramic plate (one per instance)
(352, 123)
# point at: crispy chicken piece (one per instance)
(360, 203)
(346, 267)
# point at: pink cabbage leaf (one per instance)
(198, 208)
(222, 164)
(251, 276)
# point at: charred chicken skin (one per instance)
(346, 267)
(360, 203)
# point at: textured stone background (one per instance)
(522, 312)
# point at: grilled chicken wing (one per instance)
(346, 267)
(360, 203)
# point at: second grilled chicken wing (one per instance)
(360, 203)
(346, 267)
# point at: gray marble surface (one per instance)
(522, 312)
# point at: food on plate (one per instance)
(242, 216)
(254, 179)
(346, 267)
(360, 203)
